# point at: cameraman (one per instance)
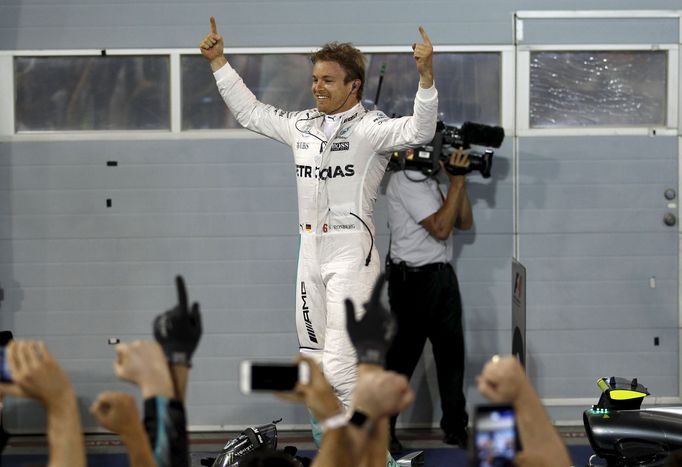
(423, 290)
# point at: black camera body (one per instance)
(446, 140)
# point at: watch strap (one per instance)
(359, 419)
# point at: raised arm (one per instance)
(143, 363)
(336, 449)
(117, 412)
(423, 56)
(504, 381)
(401, 133)
(38, 375)
(249, 112)
(178, 331)
(378, 395)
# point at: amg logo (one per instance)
(302, 145)
(306, 317)
(341, 146)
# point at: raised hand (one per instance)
(382, 393)
(503, 380)
(178, 330)
(115, 411)
(143, 363)
(36, 374)
(372, 335)
(423, 56)
(211, 45)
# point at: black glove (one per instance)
(178, 330)
(373, 334)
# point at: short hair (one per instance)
(349, 57)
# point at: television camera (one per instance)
(446, 140)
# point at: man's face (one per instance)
(331, 94)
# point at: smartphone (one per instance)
(5, 374)
(495, 436)
(268, 376)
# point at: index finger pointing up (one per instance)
(182, 293)
(214, 28)
(424, 35)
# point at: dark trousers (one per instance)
(427, 304)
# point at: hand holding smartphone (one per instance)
(495, 436)
(270, 376)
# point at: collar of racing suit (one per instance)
(317, 119)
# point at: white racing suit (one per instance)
(337, 180)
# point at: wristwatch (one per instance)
(357, 418)
(360, 419)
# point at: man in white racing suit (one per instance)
(340, 151)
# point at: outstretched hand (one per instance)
(211, 45)
(178, 330)
(373, 333)
(423, 56)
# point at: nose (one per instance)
(318, 86)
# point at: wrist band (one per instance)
(333, 422)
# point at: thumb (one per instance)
(214, 28)
(414, 46)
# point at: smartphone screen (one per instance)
(495, 436)
(5, 374)
(270, 376)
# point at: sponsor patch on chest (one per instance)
(341, 146)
